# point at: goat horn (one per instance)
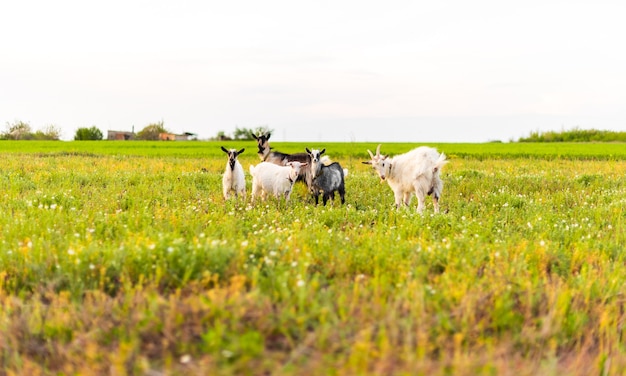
(378, 150)
(371, 155)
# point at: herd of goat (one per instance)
(416, 172)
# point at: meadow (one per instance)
(122, 258)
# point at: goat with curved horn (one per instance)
(413, 173)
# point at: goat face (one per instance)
(380, 163)
(232, 156)
(315, 156)
(263, 142)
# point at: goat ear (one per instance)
(323, 151)
(307, 150)
(367, 162)
(255, 136)
(224, 149)
(241, 151)
(267, 135)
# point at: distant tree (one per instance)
(263, 129)
(242, 134)
(19, 130)
(50, 132)
(222, 136)
(152, 131)
(92, 133)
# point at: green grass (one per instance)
(343, 150)
(124, 258)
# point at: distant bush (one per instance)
(576, 135)
(241, 134)
(152, 131)
(92, 133)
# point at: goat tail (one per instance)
(441, 161)
(345, 172)
(252, 170)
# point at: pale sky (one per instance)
(415, 71)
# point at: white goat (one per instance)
(415, 172)
(274, 179)
(234, 179)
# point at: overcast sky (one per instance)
(418, 71)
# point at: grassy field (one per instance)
(123, 258)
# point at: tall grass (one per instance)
(131, 263)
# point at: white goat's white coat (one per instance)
(234, 179)
(269, 178)
(415, 172)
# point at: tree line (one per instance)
(575, 135)
(20, 130)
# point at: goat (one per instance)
(415, 172)
(234, 179)
(274, 179)
(282, 159)
(327, 178)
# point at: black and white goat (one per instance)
(415, 172)
(326, 178)
(281, 159)
(234, 179)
